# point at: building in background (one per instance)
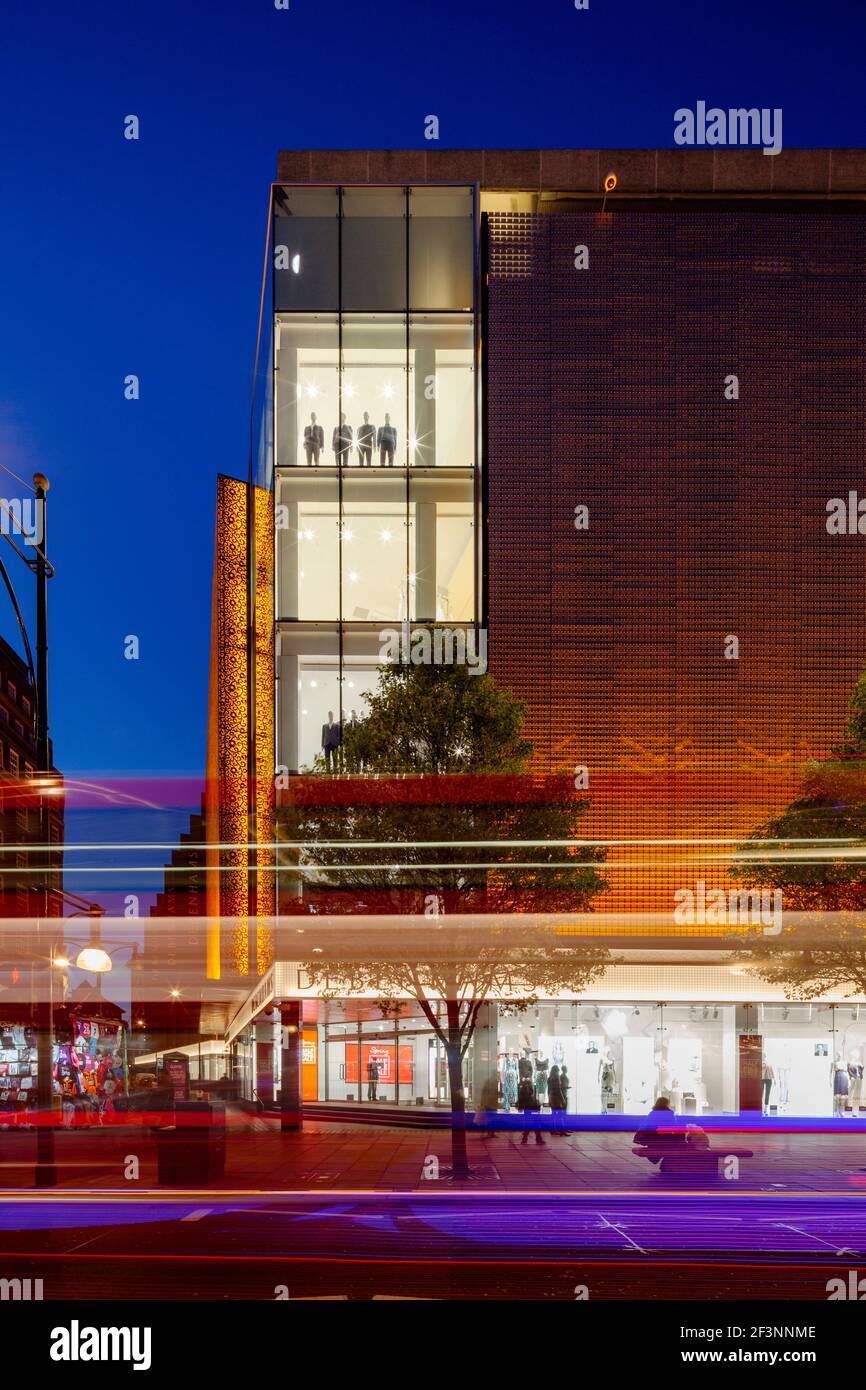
(21, 887)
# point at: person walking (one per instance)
(527, 1101)
(555, 1098)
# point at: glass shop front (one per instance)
(606, 1058)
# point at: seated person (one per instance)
(667, 1142)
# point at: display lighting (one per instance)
(614, 1023)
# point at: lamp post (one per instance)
(46, 1172)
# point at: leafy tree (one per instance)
(441, 817)
(464, 967)
(814, 853)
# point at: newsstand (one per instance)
(193, 1150)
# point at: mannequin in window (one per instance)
(541, 1066)
(366, 438)
(524, 1066)
(314, 441)
(332, 737)
(607, 1079)
(342, 442)
(372, 1078)
(768, 1076)
(386, 439)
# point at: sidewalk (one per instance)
(356, 1157)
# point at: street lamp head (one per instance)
(93, 958)
(40, 481)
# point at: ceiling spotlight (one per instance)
(387, 391)
(353, 576)
(312, 390)
(349, 390)
(385, 535)
(348, 533)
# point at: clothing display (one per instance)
(314, 441)
(17, 1069)
(372, 1079)
(541, 1065)
(366, 438)
(524, 1068)
(608, 1081)
(510, 1080)
(332, 737)
(341, 442)
(386, 441)
(840, 1081)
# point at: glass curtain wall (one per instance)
(375, 406)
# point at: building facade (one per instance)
(592, 410)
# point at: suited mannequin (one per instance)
(314, 441)
(386, 439)
(342, 442)
(366, 438)
(332, 737)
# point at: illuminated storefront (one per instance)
(714, 1056)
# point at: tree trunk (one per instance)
(459, 1160)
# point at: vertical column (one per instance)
(425, 561)
(485, 1078)
(425, 408)
(291, 1020)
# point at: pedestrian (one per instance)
(372, 1078)
(527, 1101)
(556, 1098)
(564, 1085)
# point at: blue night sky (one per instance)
(122, 257)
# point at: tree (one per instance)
(445, 818)
(464, 967)
(813, 853)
